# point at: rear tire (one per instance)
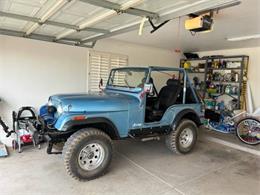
(87, 154)
(182, 139)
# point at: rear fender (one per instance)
(186, 114)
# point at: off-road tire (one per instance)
(76, 143)
(172, 140)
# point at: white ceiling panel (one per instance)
(49, 30)
(68, 18)
(80, 9)
(23, 7)
(154, 6)
(45, 6)
(37, 3)
(12, 24)
(115, 22)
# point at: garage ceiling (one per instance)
(83, 22)
(237, 21)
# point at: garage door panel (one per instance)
(12, 24)
(49, 30)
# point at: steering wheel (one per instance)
(151, 94)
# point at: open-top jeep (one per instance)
(137, 102)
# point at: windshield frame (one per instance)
(125, 88)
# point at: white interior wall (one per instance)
(254, 67)
(31, 71)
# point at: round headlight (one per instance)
(50, 102)
(59, 109)
(52, 109)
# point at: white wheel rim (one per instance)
(91, 156)
(186, 138)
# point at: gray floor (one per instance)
(138, 168)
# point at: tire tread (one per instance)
(171, 138)
(71, 144)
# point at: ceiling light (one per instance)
(243, 38)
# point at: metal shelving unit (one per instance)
(224, 65)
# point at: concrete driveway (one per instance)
(138, 168)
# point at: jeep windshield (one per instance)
(128, 77)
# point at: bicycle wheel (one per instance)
(248, 131)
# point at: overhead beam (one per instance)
(48, 22)
(140, 12)
(113, 33)
(220, 8)
(100, 17)
(197, 7)
(117, 7)
(103, 3)
(66, 41)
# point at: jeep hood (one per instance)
(93, 102)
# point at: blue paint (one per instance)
(123, 106)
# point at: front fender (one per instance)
(116, 120)
(64, 119)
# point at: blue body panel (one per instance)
(125, 108)
(117, 107)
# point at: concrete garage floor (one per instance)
(138, 168)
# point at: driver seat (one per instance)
(167, 97)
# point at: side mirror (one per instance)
(148, 88)
(101, 85)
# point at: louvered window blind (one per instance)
(100, 64)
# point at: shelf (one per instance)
(234, 82)
(218, 94)
(214, 64)
(194, 59)
(225, 68)
(193, 72)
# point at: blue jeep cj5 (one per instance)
(138, 102)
